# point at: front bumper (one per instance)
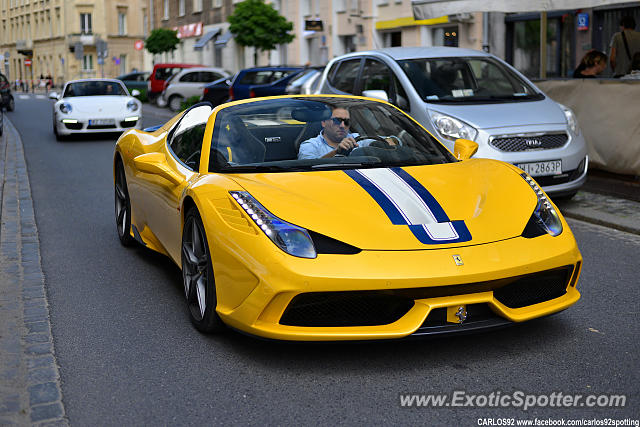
(430, 279)
(73, 125)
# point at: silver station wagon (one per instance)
(463, 93)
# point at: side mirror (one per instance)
(377, 94)
(463, 149)
(53, 95)
(135, 92)
(156, 164)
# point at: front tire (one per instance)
(11, 105)
(197, 275)
(122, 207)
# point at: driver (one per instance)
(334, 138)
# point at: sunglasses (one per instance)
(338, 120)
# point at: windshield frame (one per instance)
(74, 84)
(530, 93)
(426, 148)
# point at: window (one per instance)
(85, 23)
(165, 14)
(190, 77)
(122, 23)
(344, 77)
(182, 8)
(208, 76)
(87, 63)
(216, 3)
(197, 6)
(123, 63)
(186, 140)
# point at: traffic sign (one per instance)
(27, 62)
(138, 44)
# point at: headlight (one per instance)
(572, 122)
(290, 238)
(65, 107)
(544, 219)
(452, 128)
(132, 105)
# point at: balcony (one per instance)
(83, 39)
(25, 47)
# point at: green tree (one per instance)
(162, 40)
(259, 25)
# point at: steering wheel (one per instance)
(379, 142)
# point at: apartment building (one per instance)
(70, 39)
(323, 29)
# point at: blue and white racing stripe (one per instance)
(407, 202)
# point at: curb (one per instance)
(30, 392)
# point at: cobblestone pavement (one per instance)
(29, 380)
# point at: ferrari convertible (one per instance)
(395, 236)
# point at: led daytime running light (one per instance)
(545, 213)
(290, 238)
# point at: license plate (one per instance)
(102, 122)
(552, 167)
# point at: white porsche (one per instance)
(95, 106)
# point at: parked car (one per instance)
(217, 92)
(135, 80)
(305, 82)
(6, 98)
(187, 83)
(95, 106)
(463, 93)
(408, 240)
(262, 81)
(160, 73)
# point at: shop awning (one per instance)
(427, 9)
(206, 38)
(223, 39)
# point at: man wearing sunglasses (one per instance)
(334, 138)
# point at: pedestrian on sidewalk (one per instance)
(623, 46)
(592, 64)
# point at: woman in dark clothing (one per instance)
(592, 64)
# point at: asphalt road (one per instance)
(129, 356)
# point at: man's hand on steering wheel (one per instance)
(345, 146)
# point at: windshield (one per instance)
(267, 136)
(93, 88)
(466, 80)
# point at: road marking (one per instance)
(41, 97)
(24, 96)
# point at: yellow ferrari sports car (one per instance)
(339, 218)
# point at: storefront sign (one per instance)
(189, 30)
(313, 25)
(583, 22)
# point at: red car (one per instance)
(160, 74)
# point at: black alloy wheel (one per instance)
(123, 207)
(197, 275)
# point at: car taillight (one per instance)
(231, 93)
(252, 94)
(206, 90)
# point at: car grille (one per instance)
(345, 309)
(369, 308)
(534, 289)
(128, 124)
(101, 126)
(525, 143)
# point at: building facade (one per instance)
(68, 39)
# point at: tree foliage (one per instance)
(162, 40)
(256, 24)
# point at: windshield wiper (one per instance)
(259, 168)
(346, 164)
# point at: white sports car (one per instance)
(95, 106)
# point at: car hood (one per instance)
(507, 114)
(98, 104)
(485, 197)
